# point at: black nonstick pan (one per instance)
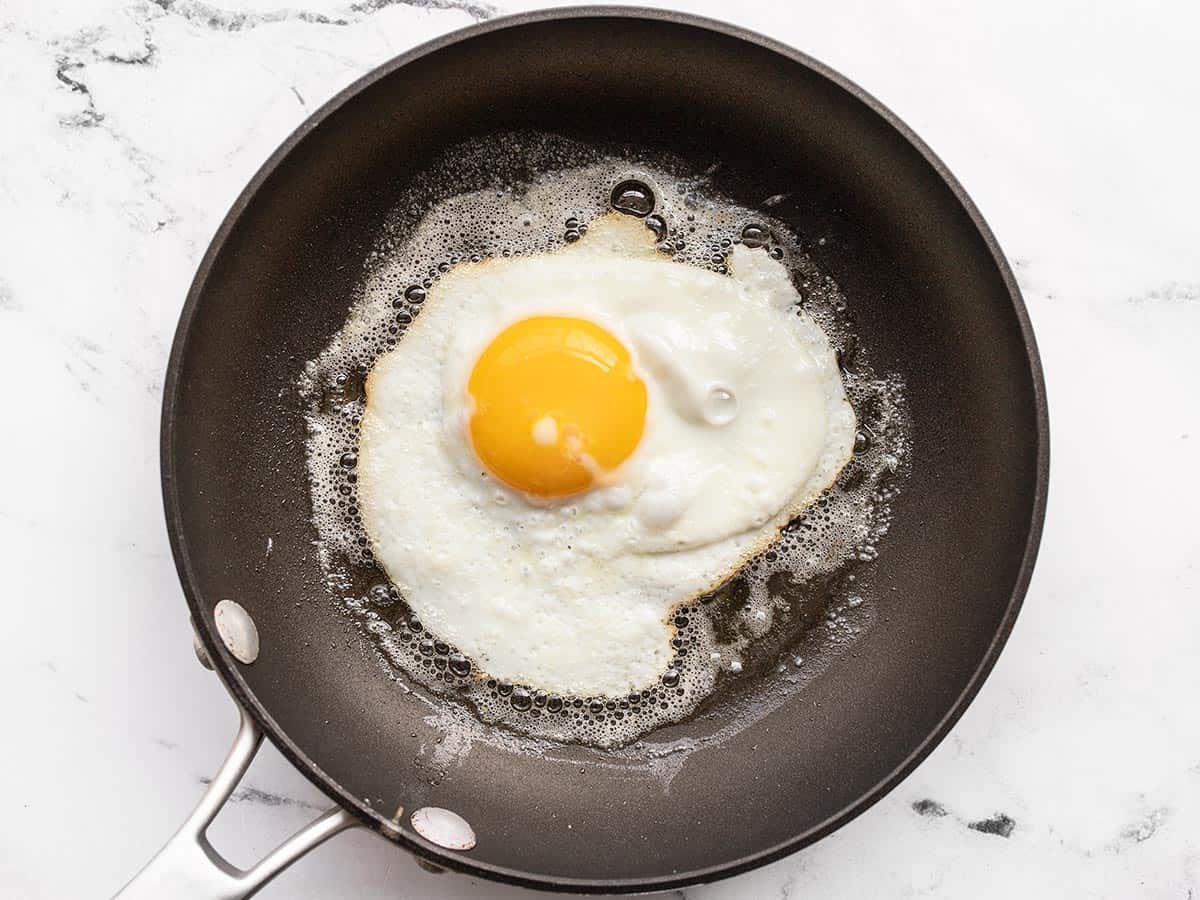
(932, 297)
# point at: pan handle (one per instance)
(189, 867)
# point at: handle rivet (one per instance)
(443, 827)
(237, 631)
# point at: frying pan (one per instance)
(932, 297)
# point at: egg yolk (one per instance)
(556, 404)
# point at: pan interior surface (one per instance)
(791, 605)
(930, 296)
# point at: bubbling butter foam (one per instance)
(533, 194)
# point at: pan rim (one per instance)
(230, 673)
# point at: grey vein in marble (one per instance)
(8, 300)
(929, 807)
(1000, 825)
(52, 668)
(1171, 292)
(1141, 830)
(89, 117)
(263, 798)
(208, 15)
(98, 45)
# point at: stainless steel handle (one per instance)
(189, 867)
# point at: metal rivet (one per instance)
(237, 631)
(201, 653)
(390, 828)
(444, 828)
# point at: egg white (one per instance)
(573, 597)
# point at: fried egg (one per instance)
(564, 447)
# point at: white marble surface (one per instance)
(1074, 126)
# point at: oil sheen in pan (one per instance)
(529, 193)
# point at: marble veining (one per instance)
(247, 794)
(127, 128)
(223, 19)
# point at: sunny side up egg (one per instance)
(564, 447)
